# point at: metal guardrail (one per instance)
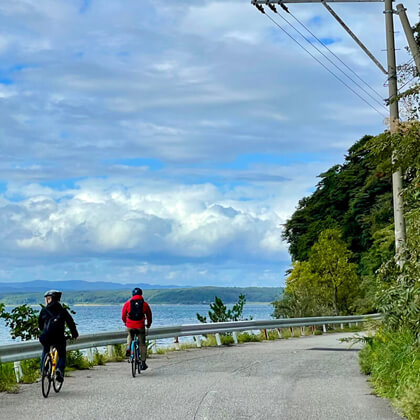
(32, 349)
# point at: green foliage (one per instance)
(76, 360)
(325, 284)
(7, 378)
(99, 359)
(22, 321)
(247, 337)
(393, 361)
(220, 313)
(30, 370)
(347, 197)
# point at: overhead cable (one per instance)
(332, 62)
(321, 63)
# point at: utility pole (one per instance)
(399, 222)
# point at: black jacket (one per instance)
(55, 308)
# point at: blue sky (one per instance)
(168, 143)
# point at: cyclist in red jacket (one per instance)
(136, 314)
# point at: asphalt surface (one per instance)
(315, 377)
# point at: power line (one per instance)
(338, 58)
(322, 64)
(327, 58)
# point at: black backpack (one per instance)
(53, 327)
(136, 310)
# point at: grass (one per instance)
(392, 359)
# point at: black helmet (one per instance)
(55, 294)
(137, 291)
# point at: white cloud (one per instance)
(168, 139)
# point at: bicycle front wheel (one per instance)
(46, 375)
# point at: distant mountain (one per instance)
(193, 295)
(74, 285)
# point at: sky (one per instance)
(168, 142)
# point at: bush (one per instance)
(7, 378)
(392, 358)
(76, 360)
(30, 370)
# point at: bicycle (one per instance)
(135, 356)
(49, 367)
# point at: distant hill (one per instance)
(193, 295)
(75, 285)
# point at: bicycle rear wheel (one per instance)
(138, 360)
(46, 375)
(133, 359)
(56, 384)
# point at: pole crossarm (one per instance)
(266, 2)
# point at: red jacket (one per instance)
(129, 323)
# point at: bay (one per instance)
(100, 318)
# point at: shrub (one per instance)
(7, 378)
(392, 358)
(76, 360)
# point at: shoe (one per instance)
(127, 353)
(143, 366)
(59, 376)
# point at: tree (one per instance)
(220, 313)
(326, 284)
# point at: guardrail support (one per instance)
(198, 340)
(302, 331)
(279, 333)
(154, 347)
(18, 370)
(235, 337)
(324, 328)
(111, 351)
(342, 326)
(313, 329)
(89, 354)
(218, 340)
(176, 343)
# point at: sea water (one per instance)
(99, 318)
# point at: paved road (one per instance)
(306, 378)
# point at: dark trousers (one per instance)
(142, 341)
(61, 349)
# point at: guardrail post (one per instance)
(18, 370)
(324, 328)
(111, 351)
(154, 347)
(176, 343)
(198, 340)
(218, 340)
(313, 329)
(342, 326)
(89, 354)
(235, 337)
(357, 323)
(279, 333)
(302, 331)
(291, 331)
(265, 334)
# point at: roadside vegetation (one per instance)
(341, 240)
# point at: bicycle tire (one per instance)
(138, 360)
(56, 385)
(46, 375)
(133, 359)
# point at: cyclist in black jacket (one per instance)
(54, 311)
